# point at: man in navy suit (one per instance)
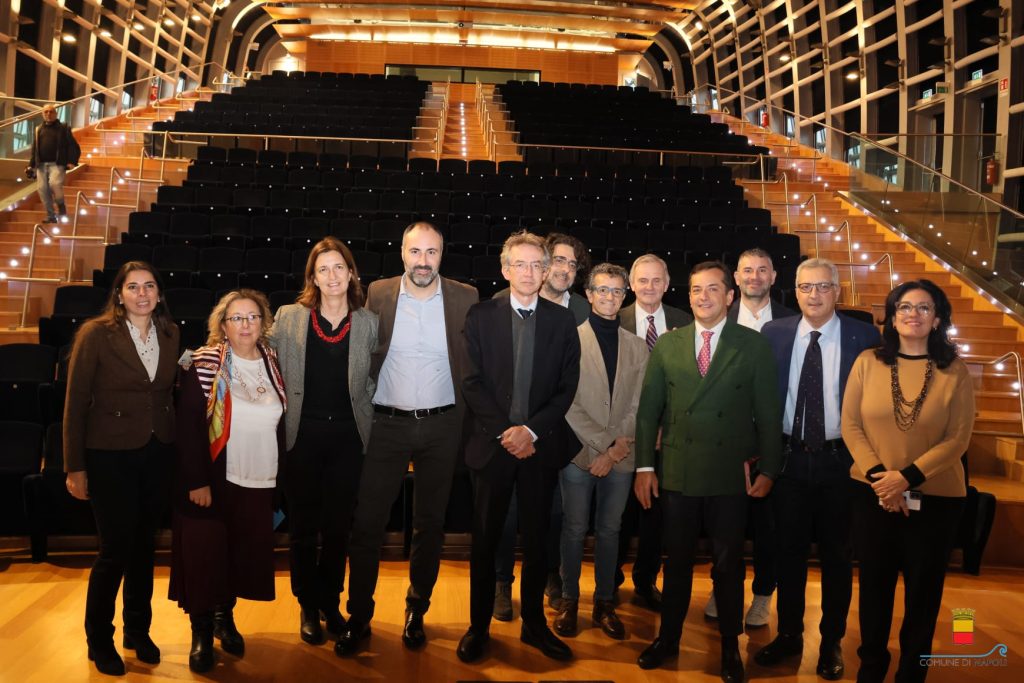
(811, 498)
(523, 368)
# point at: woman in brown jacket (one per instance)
(908, 413)
(118, 435)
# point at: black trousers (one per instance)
(320, 481)
(889, 544)
(533, 485)
(725, 520)
(761, 524)
(806, 511)
(432, 444)
(646, 526)
(129, 492)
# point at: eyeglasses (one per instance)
(525, 266)
(617, 292)
(252, 319)
(822, 287)
(905, 308)
(562, 261)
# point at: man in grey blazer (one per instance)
(418, 410)
(648, 318)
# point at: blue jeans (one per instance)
(51, 185)
(578, 488)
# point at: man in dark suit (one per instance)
(647, 318)
(812, 496)
(755, 274)
(418, 416)
(710, 389)
(523, 368)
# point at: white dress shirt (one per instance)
(754, 321)
(416, 373)
(641, 321)
(148, 348)
(830, 343)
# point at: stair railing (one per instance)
(782, 178)
(834, 234)
(999, 364)
(887, 257)
(123, 178)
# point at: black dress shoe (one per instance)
(783, 647)
(351, 636)
(145, 649)
(334, 623)
(732, 665)
(830, 661)
(309, 626)
(656, 653)
(472, 646)
(547, 642)
(648, 596)
(412, 635)
(224, 630)
(106, 658)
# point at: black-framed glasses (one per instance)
(562, 261)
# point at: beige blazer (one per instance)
(291, 325)
(596, 420)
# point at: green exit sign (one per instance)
(976, 75)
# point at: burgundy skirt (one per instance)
(224, 555)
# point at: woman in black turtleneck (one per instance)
(603, 415)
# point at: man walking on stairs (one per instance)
(54, 152)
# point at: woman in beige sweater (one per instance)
(907, 419)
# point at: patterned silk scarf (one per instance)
(213, 367)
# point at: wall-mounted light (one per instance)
(139, 26)
(68, 38)
(852, 75)
(105, 33)
(699, 25)
(168, 22)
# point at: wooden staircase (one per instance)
(807, 202)
(110, 166)
(463, 135)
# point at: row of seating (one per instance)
(324, 76)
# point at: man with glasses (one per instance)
(54, 152)
(418, 416)
(523, 368)
(603, 418)
(811, 498)
(648, 318)
(710, 389)
(569, 258)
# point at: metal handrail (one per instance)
(28, 279)
(79, 196)
(849, 251)
(873, 266)
(998, 363)
(169, 136)
(122, 179)
(785, 185)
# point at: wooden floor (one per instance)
(41, 637)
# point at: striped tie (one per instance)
(652, 333)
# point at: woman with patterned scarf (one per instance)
(230, 435)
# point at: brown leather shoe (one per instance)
(605, 617)
(565, 622)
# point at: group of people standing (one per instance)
(674, 424)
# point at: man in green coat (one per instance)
(711, 390)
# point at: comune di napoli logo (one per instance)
(963, 635)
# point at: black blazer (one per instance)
(674, 317)
(490, 376)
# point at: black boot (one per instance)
(107, 660)
(145, 649)
(62, 210)
(224, 630)
(200, 657)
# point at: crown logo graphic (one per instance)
(963, 626)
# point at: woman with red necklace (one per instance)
(324, 342)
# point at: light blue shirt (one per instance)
(416, 373)
(830, 344)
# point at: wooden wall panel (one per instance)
(554, 65)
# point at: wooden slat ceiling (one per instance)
(589, 25)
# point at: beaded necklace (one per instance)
(320, 332)
(906, 412)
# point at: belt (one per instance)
(796, 444)
(419, 413)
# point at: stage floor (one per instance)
(42, 606)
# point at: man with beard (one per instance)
(418, 406)
(54, 152)
(755, 276)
